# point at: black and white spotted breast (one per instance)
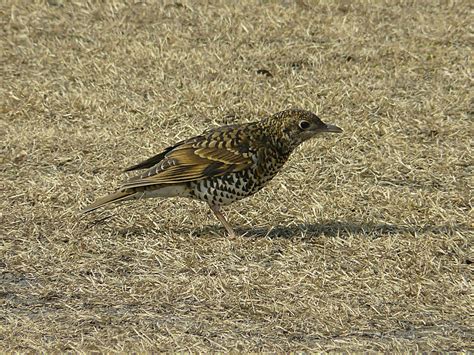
(228, 188)
(225, 189)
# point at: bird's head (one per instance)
(296, 126)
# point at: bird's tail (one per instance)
(114, 197)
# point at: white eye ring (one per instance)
(304, 125)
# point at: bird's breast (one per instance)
(230, 187)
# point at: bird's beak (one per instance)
(332, 128)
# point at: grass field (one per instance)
(364, 241)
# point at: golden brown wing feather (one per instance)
(216, 152)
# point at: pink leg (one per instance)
(221, 218)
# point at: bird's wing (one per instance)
(216, 152)
(146, 164)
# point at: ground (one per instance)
(363, 242)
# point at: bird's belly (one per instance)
(223, 190)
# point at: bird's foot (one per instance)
(221, 218)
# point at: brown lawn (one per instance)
(363, 242)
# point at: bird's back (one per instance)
(220, 166)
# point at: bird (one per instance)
(222, 165)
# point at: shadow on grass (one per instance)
(338, 228)
(311, 230)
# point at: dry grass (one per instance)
(364, 241)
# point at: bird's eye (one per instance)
(304, 124)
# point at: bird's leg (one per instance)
(221, 218)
